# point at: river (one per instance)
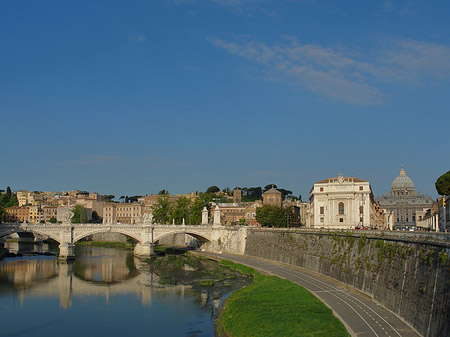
(108, 292)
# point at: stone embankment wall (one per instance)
(409, 275)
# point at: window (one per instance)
(341, 220)
(322, 210)
(361, 209)
(321, 189)
(341, 208)
(361, 219)
(361, 188)
(321, 219)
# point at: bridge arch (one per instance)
(199, 236)
(80, 236)
(9, 231)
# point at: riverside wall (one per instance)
(408, 274)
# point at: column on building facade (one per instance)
(330, 211)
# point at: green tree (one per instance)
(162, 210)
(95, 217)
(195, 211)
(268, 187)
(8, 191)
(109, 197)
(163, 192)
(274, 216)
(52, 219)
(270, 216)
(79, 214)
(134, 198)
(443, 184)
(212, 189)
(180, 210)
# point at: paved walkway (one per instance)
(359, 313)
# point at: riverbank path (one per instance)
(362, 316)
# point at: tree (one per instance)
(251, 194)
(52, 219)
(8, 191)
(268, 187)
(443, 184)
(134, 198)
(180, 210)
(109, 197)
(274, 216)
(95, 217)
(79, 214)
(270, 216)
(163, 192)
(162, 210)
(195, 211)
(284, 192)
(212, 189)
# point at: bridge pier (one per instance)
(144, 250)
(66, 251)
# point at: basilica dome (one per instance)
(402, 182)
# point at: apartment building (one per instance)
(16, 214)
(129, 213)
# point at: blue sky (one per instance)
(130, 97)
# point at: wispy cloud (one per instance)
(138, 37)
(345, 74)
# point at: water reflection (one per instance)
(107, 272)
(108, 291)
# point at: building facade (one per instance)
(124, 213)
(16, 214)
(273, 197)
(407, 206)
(342, 202)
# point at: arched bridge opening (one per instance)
(188, 239)
(112, 235)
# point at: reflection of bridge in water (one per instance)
(213, 238)
(47, 278)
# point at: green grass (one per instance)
(272, 306)
(244, 270)
(104, 244)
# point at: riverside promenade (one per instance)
(358, 312)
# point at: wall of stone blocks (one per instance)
(410, 278)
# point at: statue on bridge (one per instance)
(67, 218)
(146, 219)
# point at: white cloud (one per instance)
(343, 74)
(138, 37)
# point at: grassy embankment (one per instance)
(272, 306)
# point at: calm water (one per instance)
(109, 292)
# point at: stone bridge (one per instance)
(212, 238)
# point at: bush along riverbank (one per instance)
(271, 306)
(106, 244)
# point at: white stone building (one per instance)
(342, 202)
(407, 206)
